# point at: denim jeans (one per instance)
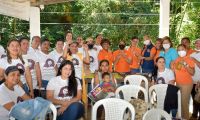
(134, 71)
(147, 70)
(174, 112)
(45, 83)
(26, 89)
(73, 112)
(30, 109)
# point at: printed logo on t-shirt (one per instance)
(19, 99)
(31, 64)
(64, 92)
(49, 63)
(60, 59)
(91, 59)
(3, 56)
(160, 80)
(21, 67)
(75, 61)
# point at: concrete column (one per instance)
(164, 18)
(34, 22)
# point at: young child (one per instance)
(106, 84)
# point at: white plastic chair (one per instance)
(156, 114)
(114, 109)
(160, 90)
(129, 91)
(54, 110)
(136, 80)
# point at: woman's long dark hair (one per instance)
(155, 72)
(72, 83)
(9, 58)
(101, 62)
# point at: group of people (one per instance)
(60, 72)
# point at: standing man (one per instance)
(136, 54)
(58, 52)
(33, 64)
(97, 45)
(186, 41)
(122, 59)
(93, 66)
(47, 64)
(35, 45)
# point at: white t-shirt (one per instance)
(78, 64)
(7, 96)
(93, 60)
(98, 47)
(35, 52)
(32, 60)
(60, 88)
(57, 57)
(47, 66)
(196, 76)
(165, 76)
(15, 62)
(2, 52)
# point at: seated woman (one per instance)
(10, 92)
(163, 75)
(103, 67)
(65, 92)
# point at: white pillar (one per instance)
(164, 18)
(34, 22)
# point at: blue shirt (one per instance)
(147, 65)
(169, 56)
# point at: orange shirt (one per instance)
(106, 55)
(181, 74)
(190, 51)
(152, 51)
(157, 55)
(122, 65)
(135, 53)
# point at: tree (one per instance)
(116, 19)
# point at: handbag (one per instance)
(40, 93)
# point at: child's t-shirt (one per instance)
(106, 85)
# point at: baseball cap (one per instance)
(13, 69)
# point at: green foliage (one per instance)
(116, 19)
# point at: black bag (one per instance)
(40, 93)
